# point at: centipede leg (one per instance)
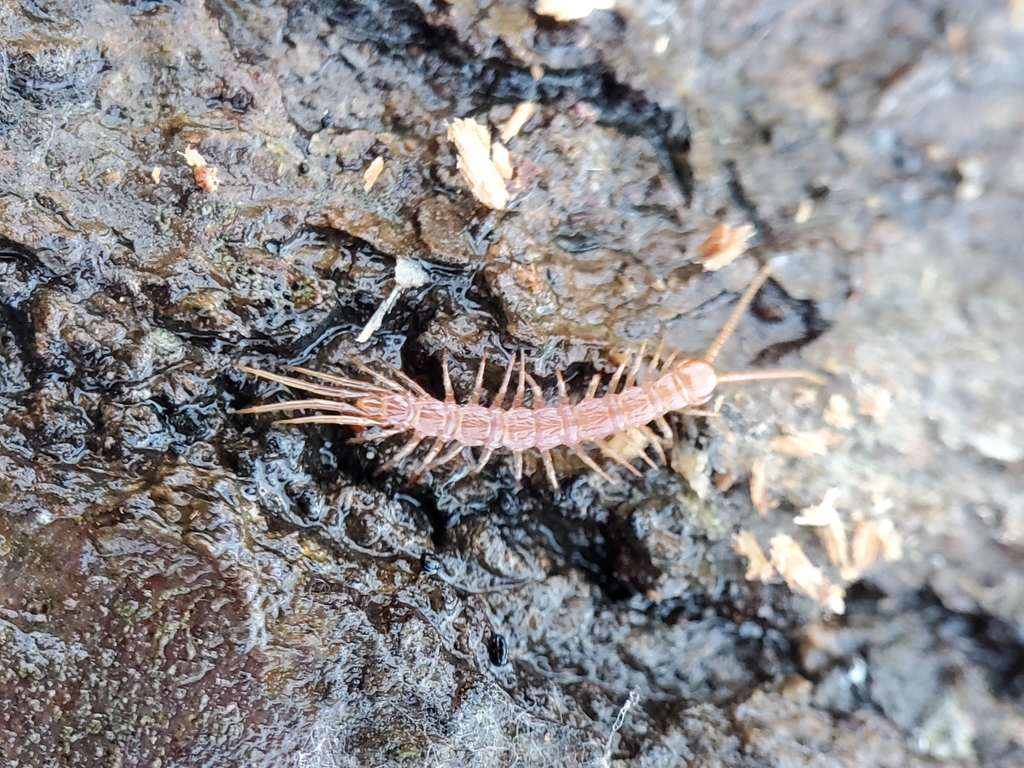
(549, 468)
(428, 460)
(447, 456)
(668, 363)
(631, 376)
(582, 456)
(517, 400)
(655, 443)
(404, 452)
(595, 382)
(538, 393)
(482, 462)
(615, 456)
(517, 465)
(405, 380)
(563, 393)
(652, 366)
(664, 428)
(449, 393)
(375, 436)
(478, 385)
(499, 398)
(613, 383)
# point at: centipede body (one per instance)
(387, 404)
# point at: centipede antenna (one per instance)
(517, 401)
(478, 385)
(449, 393)
(350, 389)
(337, 406)
(613, 382)
(582, 456)
(549, 468)
(595, 382)
(342, 382)
(737, 313)
(631, 376)
(346, 421)
(499, 398)
(771, 375)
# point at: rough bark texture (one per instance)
(182, 585)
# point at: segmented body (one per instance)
(543, 428)
(394, 404)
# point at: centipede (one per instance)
(642, 391)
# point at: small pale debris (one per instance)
(838, 413)
(833, 533)
(802, 576)
(875, 402)
(156, 174)
(520, 115)
(804, 209)
(824, 513)
(871, 539)
(501, 160)
(372, 173)
(956, 37)
(571, 10)
(758, 491)
(693, 466)
(473, 144)
(204, 174)
(1016, 9)
(408, 274)
(537, 71)
(630, 443)
(724, 245)
(805, 443)
(758, 567)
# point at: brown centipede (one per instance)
(394, 404)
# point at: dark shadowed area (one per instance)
(182, 585)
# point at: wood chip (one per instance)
(805, 443)
(571, 10)
(804, 209)
(838, 413)
(372, 173)
(473, 144)
(520, 115)
(724, 245)
(156, 174)
(501, 160)
(1016, 9)
(758, 492)
(204, 173)
(408, 274)
(875, 402)
(803, 576)
(758, 568)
